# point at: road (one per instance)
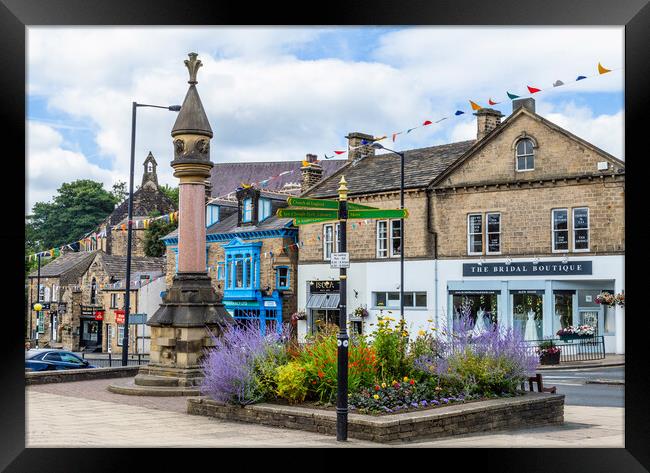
(572, 383)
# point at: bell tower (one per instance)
(149, 175)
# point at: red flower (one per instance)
(321, 374)
(412, 381)
(377, 388)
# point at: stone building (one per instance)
(251, 255)
(525, 222)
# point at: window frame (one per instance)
(334, 242)
(554, 231)
(263, 202)
(386, 239)
(392, 238)
(469, 234)
(488, 233)
(278, 286)
(525, 156)
(247, 210)
(413, 294)
(210, 210)
(119, 340)
(114, 301)
(574, 230)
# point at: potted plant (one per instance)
(549, 353)
(605, 298)
(360, 312)
(572, 333)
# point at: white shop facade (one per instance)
(535, 296)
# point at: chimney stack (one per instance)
(487, 119)
(311, 172)
(355, 139)
(528, 104)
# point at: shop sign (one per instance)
(44, 305)
(119, 319)
(247, 303)
(89, 310)
(137, 319)
(99, 315)
(538, 292)
(527, 268)
(320, 287)
(270, 304)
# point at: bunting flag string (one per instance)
(474, 106)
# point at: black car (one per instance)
(52, 359)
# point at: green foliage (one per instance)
(77, 208)
(153, 246)
(292, 382)
(120, 192)
(171, 192)
(265, 371)
(391, 344)
(477, 374)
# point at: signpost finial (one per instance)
(193, 65)
(343, 189)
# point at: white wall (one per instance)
(148, 302)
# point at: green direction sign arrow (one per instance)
(353, 206)
(308, 213)
(313, 203)
(378, 213)
(306, 221)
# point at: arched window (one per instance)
(525, 155)
(93, 292)
(149, 166)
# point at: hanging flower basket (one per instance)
(579, 332)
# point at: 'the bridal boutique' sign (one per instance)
(527, 268)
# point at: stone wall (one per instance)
(362, 234)
(119, 240)
(526, 215)
(531, 409)
(65, 376)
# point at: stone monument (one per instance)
(180, 328)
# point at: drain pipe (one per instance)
(434, 245)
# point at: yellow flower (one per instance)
(406, 378)
(422, 333)
(383, 385)
(393, 382)
(429, 320)
(376, 396)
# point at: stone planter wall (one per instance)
(63, 376)
(531, 409)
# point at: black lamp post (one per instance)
(127, 299)
(377, 145)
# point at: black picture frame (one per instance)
(16, 15)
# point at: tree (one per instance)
(153, 246)
(171, 192)
(119, 192)
(77, 208)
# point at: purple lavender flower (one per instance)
(445, 400)
(424, 402)
(435, 402)
(414, 404)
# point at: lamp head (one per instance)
(174, 108)
(376, 145)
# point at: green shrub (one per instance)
(391, 344)
(292, 382)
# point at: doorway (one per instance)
(91, 335)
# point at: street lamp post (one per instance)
(377, 145)
(127, 298)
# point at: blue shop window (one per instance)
(211, 215)
(282, 278)
(247, 210)
(264, 209)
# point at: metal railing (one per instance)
(577, 349)
(108, 360)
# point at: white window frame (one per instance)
(211, 215)
(397, 306)
(264, 210)
(469, 235)
(119, 339)
(247, 210)
(41, 293)
(517, 155)
(47, 294)
(55, 293)
(382, 253)
(401, 240)
(149, 166)
(334, 242)
(574, 230)
(554, 231)
(488, 233)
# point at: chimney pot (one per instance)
(527, 103)
(487, 119)
(355, 139)
(311, 173)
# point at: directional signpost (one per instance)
(323, 210)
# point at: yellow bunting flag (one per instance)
(305, 164)
(602, 70)
(475, 106)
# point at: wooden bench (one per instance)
(540, 385)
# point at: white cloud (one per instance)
(265, 104)
(50, 165)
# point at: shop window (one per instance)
(525, 155)
(581, 229)
(563, 309)
(264, 209)
(528, 314)
(282, 278)
(211, 215)
(330, 240)
(120, 335)
(247, 210)
(560, 222)
(475, 234)
(493, 233)
(480, 309)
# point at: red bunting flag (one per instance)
(492, 102)
(532, 90)
(339, 152)
(427, 122)
(394, 136)
(475, 106)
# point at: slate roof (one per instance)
(115, 266)
(68, 267)
(226, 177)
(381, 173)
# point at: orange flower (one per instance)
(321, 374)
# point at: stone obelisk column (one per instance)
(180, 327)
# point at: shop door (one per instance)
(528, 314)
(90, 333)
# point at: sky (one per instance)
(279, 93)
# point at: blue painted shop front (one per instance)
(242, 296)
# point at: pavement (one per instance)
(609, 360)
(86, 412)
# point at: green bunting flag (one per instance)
(512, 96)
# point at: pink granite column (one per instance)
(191, 228)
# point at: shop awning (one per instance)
(323, 301)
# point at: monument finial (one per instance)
(193, 65)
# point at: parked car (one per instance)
(45, 359)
